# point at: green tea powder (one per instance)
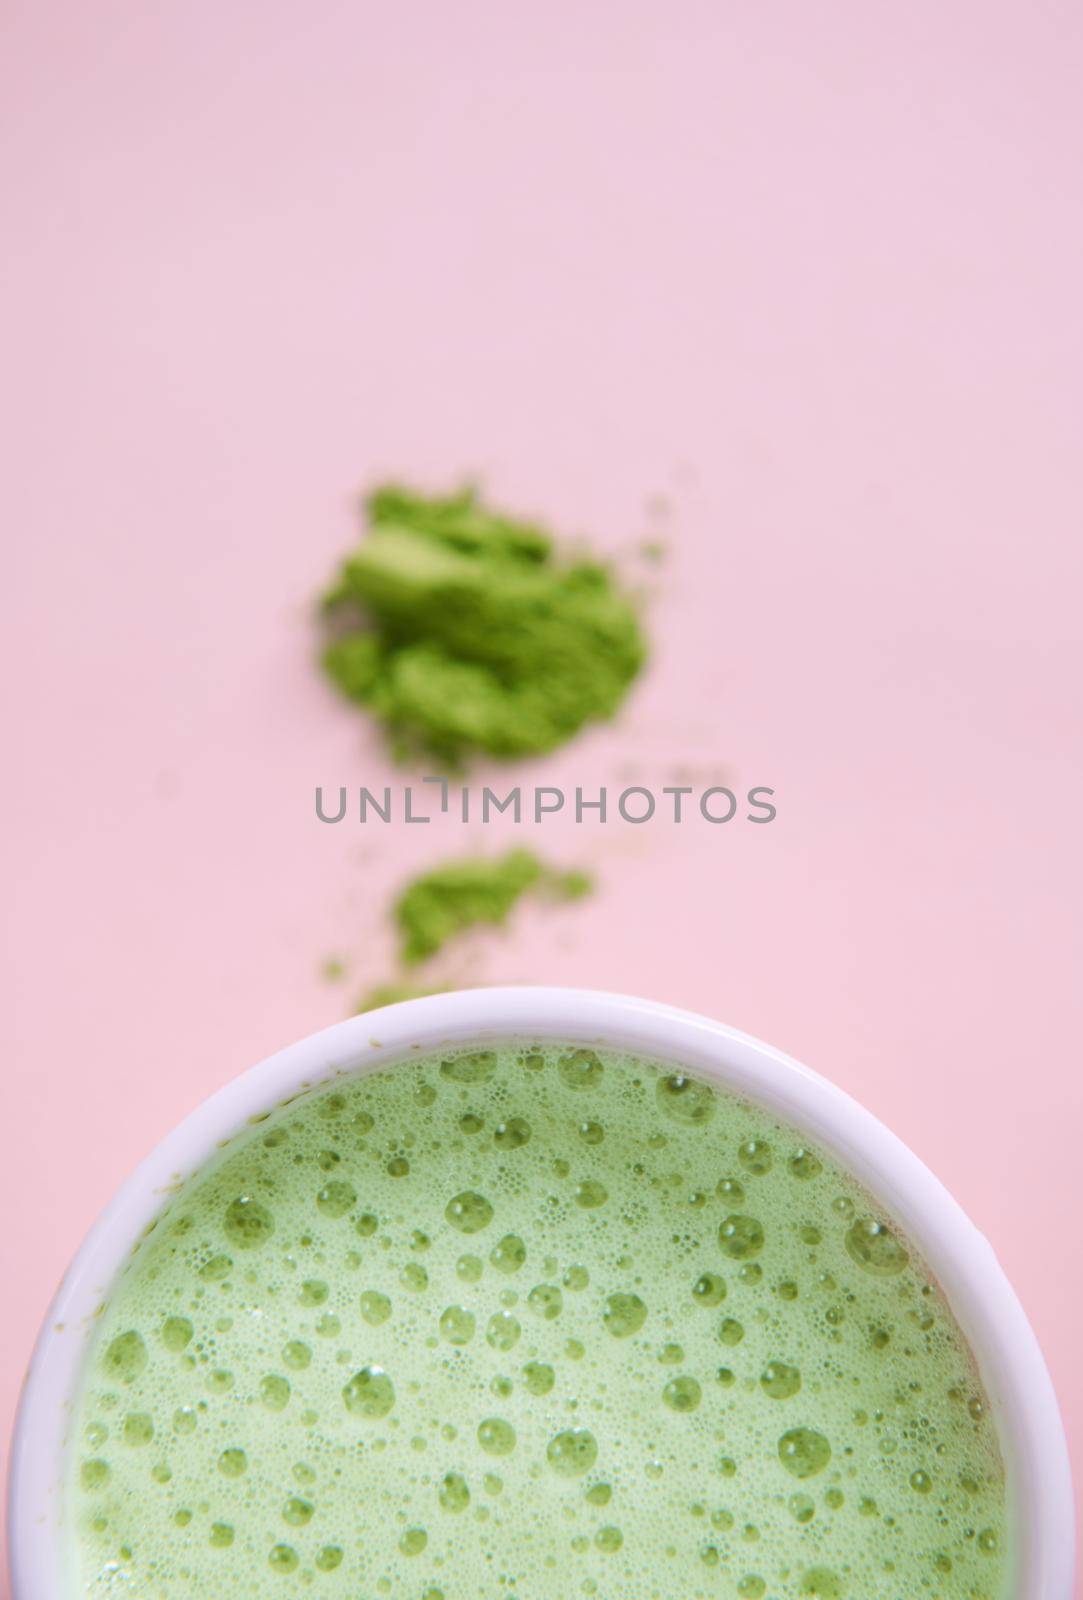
(464, 631)
(471, 890)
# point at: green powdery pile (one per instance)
(461, 894)
(464, 631)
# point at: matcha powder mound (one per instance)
(463, 631)
(473, 889)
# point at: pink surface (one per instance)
(810, 273)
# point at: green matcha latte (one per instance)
(531, 1323)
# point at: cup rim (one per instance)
(1009, 1359)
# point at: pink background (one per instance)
(811, 273)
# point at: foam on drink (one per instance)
(531, 1322)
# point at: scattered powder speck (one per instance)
(390, 994)
(472, 890)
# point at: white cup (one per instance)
(1011, 1365)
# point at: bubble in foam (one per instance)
(247, 1224)
(457, 1324)
(580, 1069)
(709, 1289)
(335, 1199)
(496, 1436)
(741, 1237)
(510, 1254)
(95, 1473)
(233, 1462)
(375, 1307)
(454, 1492)
(756, 1156)
(176, 1333)
(472, 1067)
(683, 1393)
(804, 1165)
(469, 1268)
(686, 1100)
(779, 1380)
(546, 1301)
(804, 1452)
(275, 1391)
(469, 1211)
(125, 1357)
(503, 1331)
(572, 1452)
(822, 1582)
(296, 1354)
(512, 1134)
(624, 1314)
(538, 1377)
(802, 1508)
(297, 1512)
(138, 1429)
(283, 1559)
(369, 1394)
(875, 1248)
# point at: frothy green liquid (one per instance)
(539, 1323)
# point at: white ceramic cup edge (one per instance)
(1008, 1355)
